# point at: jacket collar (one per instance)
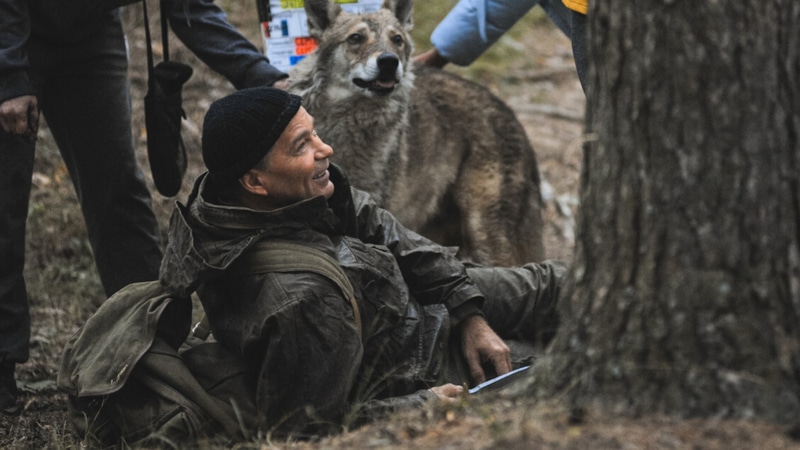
(205, 237)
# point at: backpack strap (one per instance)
(284, 256)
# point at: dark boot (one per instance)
(8, 390)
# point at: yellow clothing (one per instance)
(581, 6)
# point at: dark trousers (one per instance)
(558, 13)
(84, 94)
(579, 46)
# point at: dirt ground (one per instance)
(544, 91)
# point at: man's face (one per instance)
(297, 166)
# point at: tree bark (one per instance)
(684, 296)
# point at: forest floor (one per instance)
(540, 84)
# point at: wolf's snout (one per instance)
(387, 65)
(385, 78)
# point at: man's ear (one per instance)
(252, 182)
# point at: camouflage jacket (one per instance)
(313, 370)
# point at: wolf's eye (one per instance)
(397, 40)
(355, 38)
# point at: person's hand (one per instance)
(431, 58)
(20, 115)
(283, 84)
(448, 393)
(480, 345)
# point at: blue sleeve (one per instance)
(472, 26)
(204, 28)
(14, 34)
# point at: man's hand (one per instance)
(448, 393)
(481, 344)
(20, 115)
(431, 58)
(282, 84)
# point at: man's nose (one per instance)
(325, 150)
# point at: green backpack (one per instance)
(136, 377)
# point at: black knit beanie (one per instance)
(241, 128)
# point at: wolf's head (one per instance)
(364, 54)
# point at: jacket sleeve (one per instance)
(431, 271)
(204, 28)
(14, 34)
(472, 26)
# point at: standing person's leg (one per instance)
(579, 47)
(16, 168)
(559, 14)
(521, 301)
(87, 106)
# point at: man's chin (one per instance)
(328, 191)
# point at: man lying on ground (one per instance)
(422, 325)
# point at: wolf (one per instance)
(444, 155)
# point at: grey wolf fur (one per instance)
(443, 154)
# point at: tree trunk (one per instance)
(684, 297)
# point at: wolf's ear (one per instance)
(403, 10)
(320, 13)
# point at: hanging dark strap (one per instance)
(164, 30)
(150, 65)
(164, 42)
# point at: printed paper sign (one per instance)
(284, 27)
